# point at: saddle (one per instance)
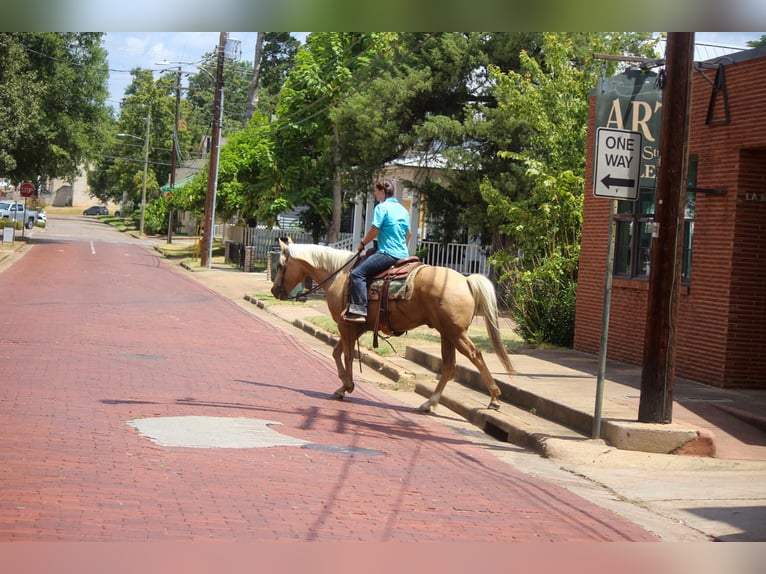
(379, 288)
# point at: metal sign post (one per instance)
(618, 162)
(604, 323)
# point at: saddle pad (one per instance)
(397, 289)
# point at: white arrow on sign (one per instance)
(618, 164)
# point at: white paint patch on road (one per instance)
(92, 248)
(213, 432)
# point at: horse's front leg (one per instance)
(345, 366)
(337, 354)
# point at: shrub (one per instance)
(544, 302)
(156, 216)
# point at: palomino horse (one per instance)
(442, 299)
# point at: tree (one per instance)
(201, 94)
(118, 175)
(307, 142)
(757, 43)
(53, 94)
(548, 101)
(274, 57)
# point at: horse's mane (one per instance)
(320, 256)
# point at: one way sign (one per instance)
(618, 163)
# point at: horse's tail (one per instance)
(486, 304)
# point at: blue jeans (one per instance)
(369, 267)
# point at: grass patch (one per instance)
(187, 250)
(176, 250)
(119, 223)
(419, 336)
(53, 210)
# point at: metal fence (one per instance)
(465, 258)
(265, 240)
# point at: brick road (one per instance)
(95, 335)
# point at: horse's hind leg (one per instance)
(467, 348)
(448, 371)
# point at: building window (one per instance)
(633, 240)
(635, 223)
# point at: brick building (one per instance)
(721, 331)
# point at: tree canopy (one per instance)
(53, 116)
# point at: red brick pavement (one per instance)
(90, 341)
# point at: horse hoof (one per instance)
(338, 395)
(495, 406)
(425, 407)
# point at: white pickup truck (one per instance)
(14, 210)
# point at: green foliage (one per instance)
(543, 299)
(52, 112)
(8, 222)
(545, 102)
(156, 216)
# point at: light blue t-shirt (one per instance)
(393, 223)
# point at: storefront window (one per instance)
(635, 224)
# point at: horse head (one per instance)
(287, 276)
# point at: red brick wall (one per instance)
(746, 359)
(721, 333)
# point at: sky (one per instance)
(128, 50)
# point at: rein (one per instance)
(316, 288)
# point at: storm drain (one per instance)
(141, 356)
(348, 450)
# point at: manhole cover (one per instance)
(349, 450)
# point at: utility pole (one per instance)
(252, 95)
(212, 176)
(143, 186)
(656, 402)
(174, 156)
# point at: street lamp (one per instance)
(146, 163)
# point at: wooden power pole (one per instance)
(656, 402)
(212, 176)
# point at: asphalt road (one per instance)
(138, 405)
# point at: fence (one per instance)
(259, 241)
(465, 258)
(245, 245)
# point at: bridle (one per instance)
(304, 294)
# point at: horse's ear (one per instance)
(289, 240)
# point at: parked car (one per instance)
(96, 210)
(16, 211)
(42, 217)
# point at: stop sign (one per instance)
(27, 189)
